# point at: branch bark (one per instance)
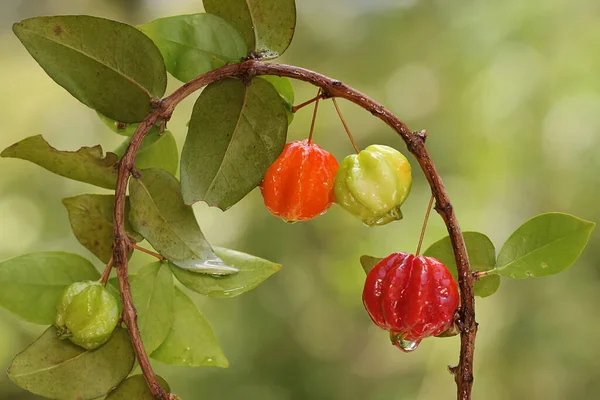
(415, 142)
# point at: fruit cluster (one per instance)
(412, 297)
(306, 180)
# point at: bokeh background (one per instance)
(509, 92)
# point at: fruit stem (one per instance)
(339, 112)
(424, 228)
(106, 273)
(143, 250)
(314, 117)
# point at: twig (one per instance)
(106, 274)
(143, 250)
(333, 88)
(307, 102)
(339, 113)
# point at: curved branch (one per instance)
(415, 143)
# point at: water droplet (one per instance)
(407, 345)
(211, 266)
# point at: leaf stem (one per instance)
(143, 250)
(339, 113)
(463, 372)
(482, 274)
(424, 228)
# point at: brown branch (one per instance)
(415, 143)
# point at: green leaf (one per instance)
(91, 217)
(285, 89)
(545, 245)
(368, 262)
(107, 65)
(135, 388)
(194, 44)
(152, 291)
(235, 134)
(59, 369)
(124, 128)
(31, 284)
(159, 214)
(253, 271)
(482, 257)
(266, 25)
(87, 164)
(191, 341)
(158, 151)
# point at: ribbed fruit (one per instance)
(299, 185)
(411, 297)
(87, 314)
(373, 184)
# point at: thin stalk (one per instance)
(339, 113)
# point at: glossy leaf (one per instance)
(159, 214)
(368, 262)
(58, 369)
(195, 44)
(482, 257)
(88, 164)
(158, 151)
(107, 65)
(545, 245)
(135, 388)
(91, 217)
(191, 341)
(285, 89)
(32, 284)
(253, 271)
(235, 134)
(124, 128)
(152, 291)
(266, 25)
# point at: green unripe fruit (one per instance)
(87, 314)
(373, 184)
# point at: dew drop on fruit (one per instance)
(407, 345)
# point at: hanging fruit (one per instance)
(87, 314)
(412, 297)
(373, 184)
(298, 186)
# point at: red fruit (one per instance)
(299, 184)
(412, 297)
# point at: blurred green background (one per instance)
(509, 92)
